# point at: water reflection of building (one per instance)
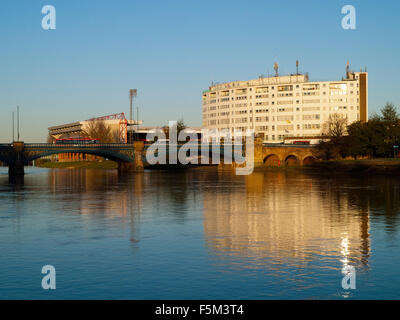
(286, 218)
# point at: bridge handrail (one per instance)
(277, 145)
(102, 145)
(191, 142)
(61, 146)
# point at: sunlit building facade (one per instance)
(280, 107)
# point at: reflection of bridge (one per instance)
(130, 156)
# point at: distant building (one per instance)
(141, 132)
(117, 122)
(285, 106)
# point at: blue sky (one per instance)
(172, 50)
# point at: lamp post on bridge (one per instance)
(17, 123)
(13, 130)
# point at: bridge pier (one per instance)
(137, 164)
(124, 167)
(258, 159)
(16, 169)
(226, 166)
(16, 166)
(258, 153)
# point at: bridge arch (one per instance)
(109, 154)
(309, 159)
(3, 160)
(292, 160)
(272, 160)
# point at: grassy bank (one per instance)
(79, 164)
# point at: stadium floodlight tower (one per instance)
(132, 94)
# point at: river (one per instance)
(198, 234)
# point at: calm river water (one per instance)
(198, 234)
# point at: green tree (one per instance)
(391, 127)
(369, 139)
(355, 143)
(389, 112)
(374, 138)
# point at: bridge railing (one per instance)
(179, 144)
(147, 144)
(83, 146)
(278, 145)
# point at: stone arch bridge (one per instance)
(277, 155)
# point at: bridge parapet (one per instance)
(281, 145)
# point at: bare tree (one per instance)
(333, 131)
(97, 129)
(335, 127)
(116, 136)
(50, 139)
(178, 126)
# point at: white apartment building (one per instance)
(282, 107)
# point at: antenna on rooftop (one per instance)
(297, 67)
(276, 67)
(348, 69)
(132, 94)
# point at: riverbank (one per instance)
(370, 166)
(79, 164)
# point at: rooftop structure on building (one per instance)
(278, 107)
